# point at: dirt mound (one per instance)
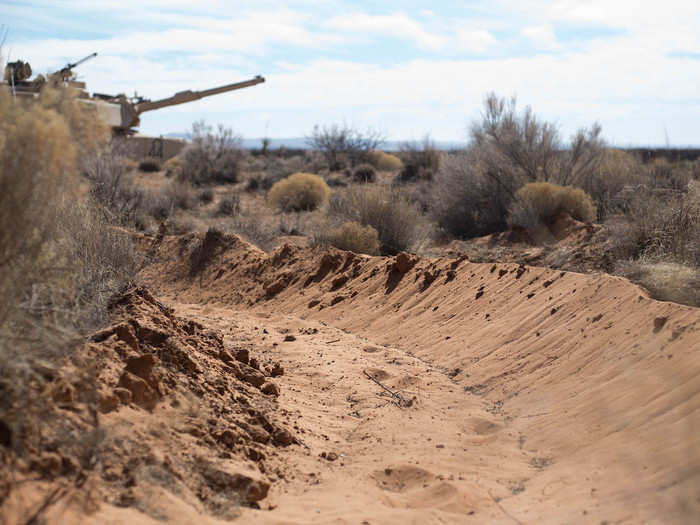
(589, 380)
(567, 244)
(154, 408)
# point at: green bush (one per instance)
(299, 192)
(539, 203)
(354, 237)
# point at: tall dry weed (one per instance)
(60, 263)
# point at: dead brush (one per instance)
(60, 262)
(212, 156)
(420, 161)
(150, 165)
(398, 222)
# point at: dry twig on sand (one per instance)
(401, 402)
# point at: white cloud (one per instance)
(542, 35)
(475, 41)
(397, 25)
(626, 80)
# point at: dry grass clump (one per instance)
(229, 205)
(149, 165)
(205, 195)
(299, 192)
(398, 222)
(420, 161)
(172, 167)
(617, 170)
(212, 156)
(364, 173)
(537, 204)
(659, 224)
(384, 161)
(665, 281)
(180, 194)
(354, 237)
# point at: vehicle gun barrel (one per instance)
(76, 64)
(189, 96)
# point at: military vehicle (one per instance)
(120, 112)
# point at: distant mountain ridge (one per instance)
(674, 152)
(300, 143)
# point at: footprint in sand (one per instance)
(378, 373)
(402, 478)
(413, 487)
(483, 427)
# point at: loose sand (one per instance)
(427, 391)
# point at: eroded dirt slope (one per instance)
(156, 418)
(556, 397)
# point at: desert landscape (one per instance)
(341, 333)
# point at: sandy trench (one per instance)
(540, 396)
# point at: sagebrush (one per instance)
(299, 192)
(354, 237)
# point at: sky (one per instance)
(405, 69)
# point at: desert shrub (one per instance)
(658, 224)
(475, 189)
(420, 161)
(537, 204)
(112, 185)
(669, 175)
(464, 201)
(364, 173)
(384, 161)
(516, 148)
(343, 145)
(229, 205)
(665, 281)
(180, 194)
(299, 192)
(617, 170)
(172, 167)
(280, 167)
(353, 237)
(205, 195)
(178, 225)
(60, 263)
(211, 156)
(397, 221)
(254, 227)
(258, 182)
(154, 204)
(149, 165)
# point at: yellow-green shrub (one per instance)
(299, 192)
(384, 161)
(354, 237)
(539, 203)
